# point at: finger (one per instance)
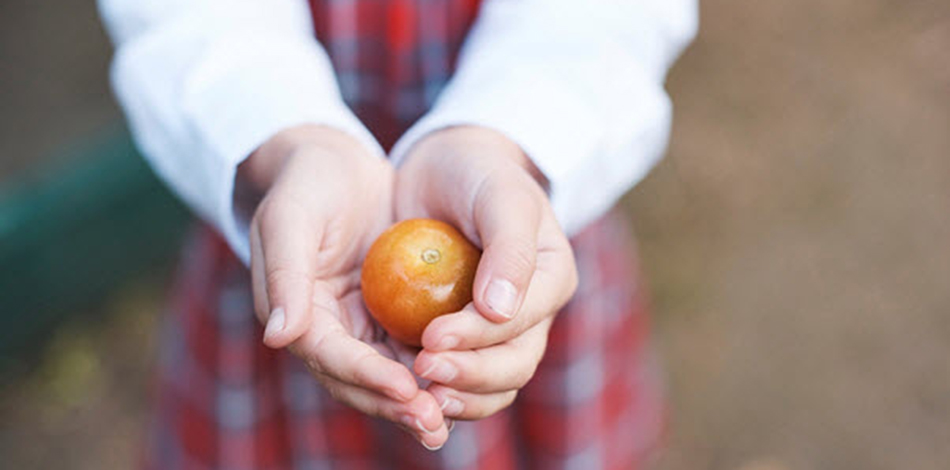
(258, 283)
(329, 350)
(553, 285)
(357, 321)
(459, 405)
(506, 217)
(361, 326)
(420, 416)
(508, 366)
(289, 254)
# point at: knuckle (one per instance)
(479, 411)
(373, 408)
(277, 276)
(519, 258)
(336, 392)
(278, 207)
(509, 398)
(488, 336)
(318, 350)
(495, 404)
(519, 376)
(520, 325)
(574, 278)
(531, 347)
(361, 367)
(313, 355)
(523, 376)
(314, 366)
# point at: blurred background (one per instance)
(796, 239)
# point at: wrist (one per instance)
(490, 144)
(259, 171)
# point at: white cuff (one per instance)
(236, 107)
(565, 137)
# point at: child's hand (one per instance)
(325, 200)
(483, 183)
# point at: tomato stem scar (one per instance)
(431, 256)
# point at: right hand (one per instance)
(325, 199)
(483, 183)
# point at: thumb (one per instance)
(506, 218)
(281, 274)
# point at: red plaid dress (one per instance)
(225, 401)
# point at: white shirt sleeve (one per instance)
(577, 84)
(204, 83)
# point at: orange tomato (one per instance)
(415, 271)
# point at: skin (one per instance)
(320, 191)
(482, 183)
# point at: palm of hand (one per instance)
(323, 207)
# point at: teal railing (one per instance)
(70, 234)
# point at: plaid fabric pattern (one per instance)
(226, 401)
(223, 400)
(392, 57)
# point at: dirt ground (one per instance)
(797, 242)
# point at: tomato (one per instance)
(415, 271)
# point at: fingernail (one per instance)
(501, 297)
(452, 407)
(275, 323)
(415, 423)
(422, 428)
(428, 447)
(440, 371)
(450, 424)
(447, 342)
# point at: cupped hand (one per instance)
(484, 184)
(325, 199)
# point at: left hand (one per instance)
(481, 182)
